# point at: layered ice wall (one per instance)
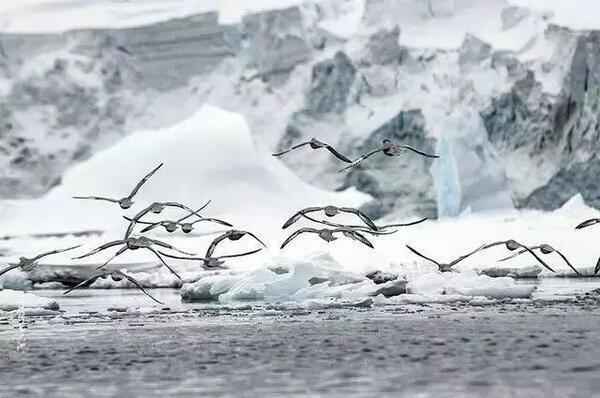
(469, 175)
(347, 71)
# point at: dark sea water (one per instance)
(542, 348)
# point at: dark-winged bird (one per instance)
(389, 149)
(127, 201)
(328, 235)
(316, 144)
(116, 276)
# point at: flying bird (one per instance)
(445, 267)
(316, 144)
(28, 264)
(359, 228)
(135, 243)
(544, 248)
(116, 276)
(157, 208)
(328, 235)
(588, 223)
(389, 149)
(127, 201)
(362, 228)
(331, 211)
(233, 235)
(509, 244)
(212, 262)
(172, 225)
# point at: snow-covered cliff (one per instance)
(507, 91)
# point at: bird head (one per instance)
(330, 211)
(187, 227)
(512, 245)
(116, 277)
(156, 208)
(546, 249)
(171, 226)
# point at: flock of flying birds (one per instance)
(329, 232)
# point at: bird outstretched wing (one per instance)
(118, 253)
(194, 213)
(162, 260)
(138, 285)
(415, 150)
(215, 220)
(182, 257)
(39, 256)
(100, 248)
(299, 214)
(588, 223)
(338, 155)
(360, 159)
(86, 282)
(9, 268)
(151, 226)
(422, 255)
(241, 254)
(522, 246)
(404, 225)
(97, 198)
(169, 246)
(561, 255)
(296, 234)
(360, 228)
(143, 181)
(364, 218)
(355, 235)
(464, 256)
(292, 148)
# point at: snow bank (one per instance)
(11, 300)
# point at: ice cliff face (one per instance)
(516, 103)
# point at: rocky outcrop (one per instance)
(275, 41)
(558, 134)
(332, 83)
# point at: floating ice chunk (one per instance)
(468, 283)
(209, 287)
(11, 300)
(532, 271)
(15, 279)
(251, 287)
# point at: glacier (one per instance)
(212, 92)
